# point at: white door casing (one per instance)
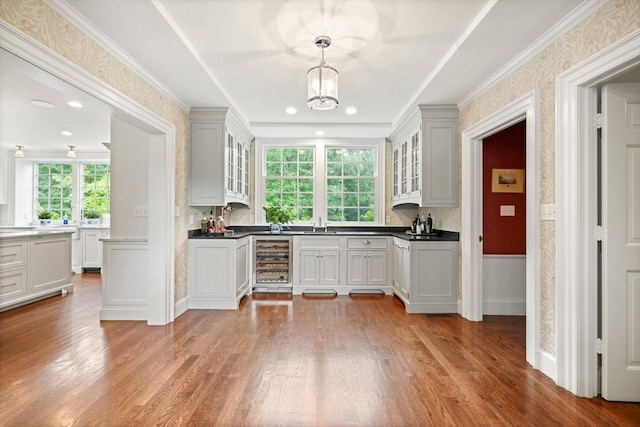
(621, 241)
(576, 196)
(526, 107)
(162, 162)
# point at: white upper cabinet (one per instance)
(220, 147)
(425, 157)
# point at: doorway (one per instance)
(504, 222)
(161, 188)
(525, 108)
(576, 193)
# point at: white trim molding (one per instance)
(526, 107)
(554, 33)
(576, 200)
(70, 14)
(161, 182)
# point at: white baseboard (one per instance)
(123, 314)
(505, 307)
(181, 307)
(547, 364)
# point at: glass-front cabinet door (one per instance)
(395, 173)
(231, 163)
(415, 163)
(403, 168)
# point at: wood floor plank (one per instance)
(279, 360)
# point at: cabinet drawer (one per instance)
(367, 243)
(313, 242)
(13, 284)
(13, 255)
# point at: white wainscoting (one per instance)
(504, 284)
(124, 280)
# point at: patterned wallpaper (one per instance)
(41, 23)
(613, 21)
(616, 19)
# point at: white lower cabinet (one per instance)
(34, 267)
(92, 247)
(367, 262)
(401, 267)
(319, 267)
(341, 264)
(218, 272)
(428, 282)
(367, 268)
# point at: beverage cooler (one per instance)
(273, 262)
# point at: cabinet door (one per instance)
(414, 186)
(377, 268)
(309, 267)
(245, 193)
(231, 163)
(395, 173)
(242, 260)
(239, 171)
(440, 163)
(357, 268)
(91, 248)
(403, 168)
(329, 268)
(207, 165)
(406, 265)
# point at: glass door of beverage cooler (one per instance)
(273, 262)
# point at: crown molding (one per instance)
(554, 33)
(79, 21)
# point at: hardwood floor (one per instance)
(278, 361)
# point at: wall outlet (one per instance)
(388, 219)
(140, 211)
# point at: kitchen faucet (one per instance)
(320, 224)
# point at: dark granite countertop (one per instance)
(401, 232)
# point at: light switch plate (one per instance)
(507, 210)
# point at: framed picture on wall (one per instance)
(507, 180)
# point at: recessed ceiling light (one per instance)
(291, 110)
(74, 104)
(319, 133)
(43, 104)
(351, 110)
(67, 133)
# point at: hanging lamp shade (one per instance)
(322, 81)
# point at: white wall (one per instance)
(129, 180)
(504, 284)
(23, 194)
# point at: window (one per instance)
(67, 188)
(350, 185)
(96, 187)
(55, 189)
(289, 180)
(335, 181)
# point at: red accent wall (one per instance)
(504, 234)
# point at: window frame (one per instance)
(77, 192)
(320, 176)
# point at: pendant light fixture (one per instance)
(322, 81)
(71, 153)
(19, 152)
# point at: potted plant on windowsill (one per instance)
(44, 215)
(92, 216)
(277, 216)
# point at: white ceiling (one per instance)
(253, 54)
